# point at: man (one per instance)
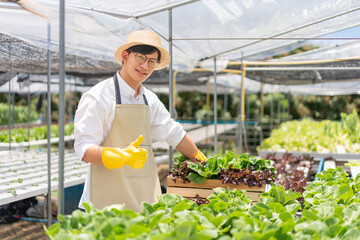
(117, 111)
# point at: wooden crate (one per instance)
(189, 190)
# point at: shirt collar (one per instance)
(126, 89)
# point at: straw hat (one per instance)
(144, 37)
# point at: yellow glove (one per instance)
(200, 156)
(133, 156)
(137, 163)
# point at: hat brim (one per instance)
(165, 56)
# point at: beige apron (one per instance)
(126, 185)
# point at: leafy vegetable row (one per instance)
(292, 171)
(36, 133)
(352, 163)
(323, 136)
(20, 114)
(229, 168)
(331, 211)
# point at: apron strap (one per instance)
(117, 90)
(145, 100)
(118, 95)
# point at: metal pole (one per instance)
(226, 100)
(261, 102)
(243, 95)
(271, 109)
(13, 104)
(61, 108)
(225, 120)
(279, 107)
(28, 115)
(281, 104)
(9, 124)
(70, 106)
(288, 105)
(207, 113)
(241, 104)
(48, 122)
(261, 111)
(283, 107)
(215, 109)
(247, 109)
(75, 97)
(171, 155)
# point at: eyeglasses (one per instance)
(140, 58)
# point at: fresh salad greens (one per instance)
(322, 136)
(331, 211)
(229, 168)
(36, 133)
(352, 163)
(333, 185)
(292, 171)
(20, 114)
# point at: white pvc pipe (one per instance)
(48, 123)
(215, 109)
(61, 107)
(171, 85)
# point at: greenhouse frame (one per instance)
(62, 46)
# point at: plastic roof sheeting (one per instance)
(19, 56)
(325, 89)
(232, 83)
(226, 84)
(201, 29)
(250, 19)
(36, 84)
(88, 34)
(306, 73)
(292, 68)
(96, 28)
(338, 51)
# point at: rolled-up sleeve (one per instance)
(164, 128)
(88, 124)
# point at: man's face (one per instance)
(136, 66)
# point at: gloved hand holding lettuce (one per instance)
(200, 156)
(132, 156)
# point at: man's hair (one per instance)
(144, 49)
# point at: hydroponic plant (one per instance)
(331, 211)
(229, 168)
(317, 136)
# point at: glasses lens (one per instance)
(152, 63)
(140, 58)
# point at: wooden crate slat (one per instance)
(213, 183)
(189, 190)
(254, 195)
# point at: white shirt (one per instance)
(96, 111)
